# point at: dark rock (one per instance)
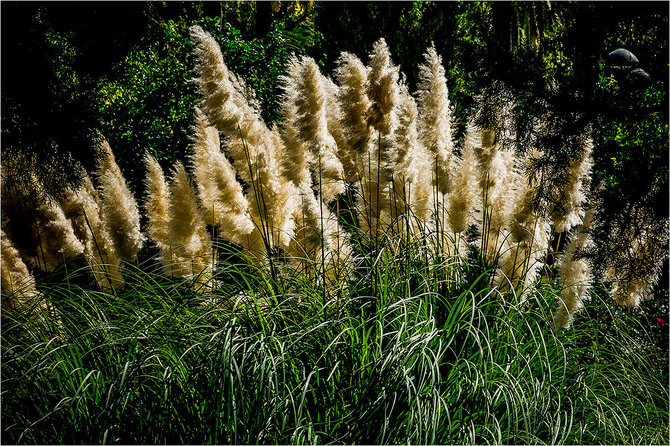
(622, 58)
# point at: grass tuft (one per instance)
(413, 349)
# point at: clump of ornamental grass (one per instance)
(82, 207)
(417, 317)
(357, 167)
(407, 354)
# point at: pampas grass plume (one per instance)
(17, 282)
(221, 194)
(306, 94)
(568, 212)
(157, 203)
(466, 182)
(187, 235)
(82, 207)
(352, 77)
(382, 89)
(19, 291)
(435, 113)
(575, 274)
(119, 209)
(58, 241)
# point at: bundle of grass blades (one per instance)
(411, 355)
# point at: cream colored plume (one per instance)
(318, 240)
(309, 110)
(382, 89)
(57, 240)
(334, 116)
(496, 172)
(352, 77)
(376, 162)
(189, 253)
(273, 201)
(520, 262)
(306, 104)
(119, 209)
(18, 284)
(524, 211)
(157, 202)
(575, 274)
(634, 267)
(40, 230)
(19, 291)
(411, 188)
(72, 203)
(297, 159)
(435, 118)
(526, 232)
(224, 100)
(568, 212)
(82, 207)
(462, 202)
(223, 200)
(499, 194)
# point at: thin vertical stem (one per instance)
(323, 245)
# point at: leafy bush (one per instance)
(147, 103)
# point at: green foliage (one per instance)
(148, 101)
(147, 104)
(408, 352)
(259, 61)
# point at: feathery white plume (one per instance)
(82, 207)
(190, 249)
(567, 212)
(119, 209)
(435, 117)
(221, 194)
(575, 274)
(306, 104)
(352, 77)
